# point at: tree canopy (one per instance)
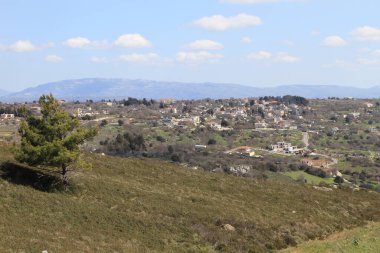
(52, 139)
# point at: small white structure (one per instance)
(200, 147)
(373, 130)
(261, 125)
(7, 116)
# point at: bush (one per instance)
(103, 123)
(294, 167)
(176, 158)
(316, 172)
(211, 142)
(339, 180)
(160, 138)
(272, 167)
(224, 123)
(88, 117)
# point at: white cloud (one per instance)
(200, 56)
(98, 59)
(315, 33)
(334, 41)
(268, 56)
(288, 43)
(132, 41)
(364, 50)
(287, 58)
(47, 45)
(246, 40)
(255, 1)
(262, 55)
(369, 57)
(78, 42)
(222, 23)
(54, 58)
(141, 58)
(23, 46)
(342, 64)
(366, 33)
(365, 61)
(205, 45)
(82, 42)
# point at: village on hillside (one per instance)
(324, 141)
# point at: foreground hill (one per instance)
(101, 88)
(133, 205)
(359, 240)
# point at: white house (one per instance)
(7, 116)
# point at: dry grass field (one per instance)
(142, 205)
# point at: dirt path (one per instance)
(305, 139)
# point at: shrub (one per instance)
(211, 142)
(338, 180)
(103, 123)
(160, 138)
(176, 158)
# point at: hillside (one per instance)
(101, 88)
(359, 240)
(134, 205)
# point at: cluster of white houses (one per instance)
(286, 148)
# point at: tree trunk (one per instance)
(65, 180)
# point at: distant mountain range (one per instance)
(3, 92)
(101, 88)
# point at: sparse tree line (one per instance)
(17, 111)
(124, 144)
(297, 100)
(135, 101)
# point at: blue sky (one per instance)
(252, 42)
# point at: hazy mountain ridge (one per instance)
(101, 88)
(3, 92)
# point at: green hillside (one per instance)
(134, 205)
(359, 240)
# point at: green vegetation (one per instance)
(52, 140)
(137, 204)
(358, 240)
(144, 205)
(309, 178)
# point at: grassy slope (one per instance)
(131, 205)
(359, 240)
(310, 178)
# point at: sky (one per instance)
(252, 42)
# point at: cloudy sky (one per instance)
(252, 42)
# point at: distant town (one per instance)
(334, 141)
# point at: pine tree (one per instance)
(53, 139)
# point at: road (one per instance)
(305, 139)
